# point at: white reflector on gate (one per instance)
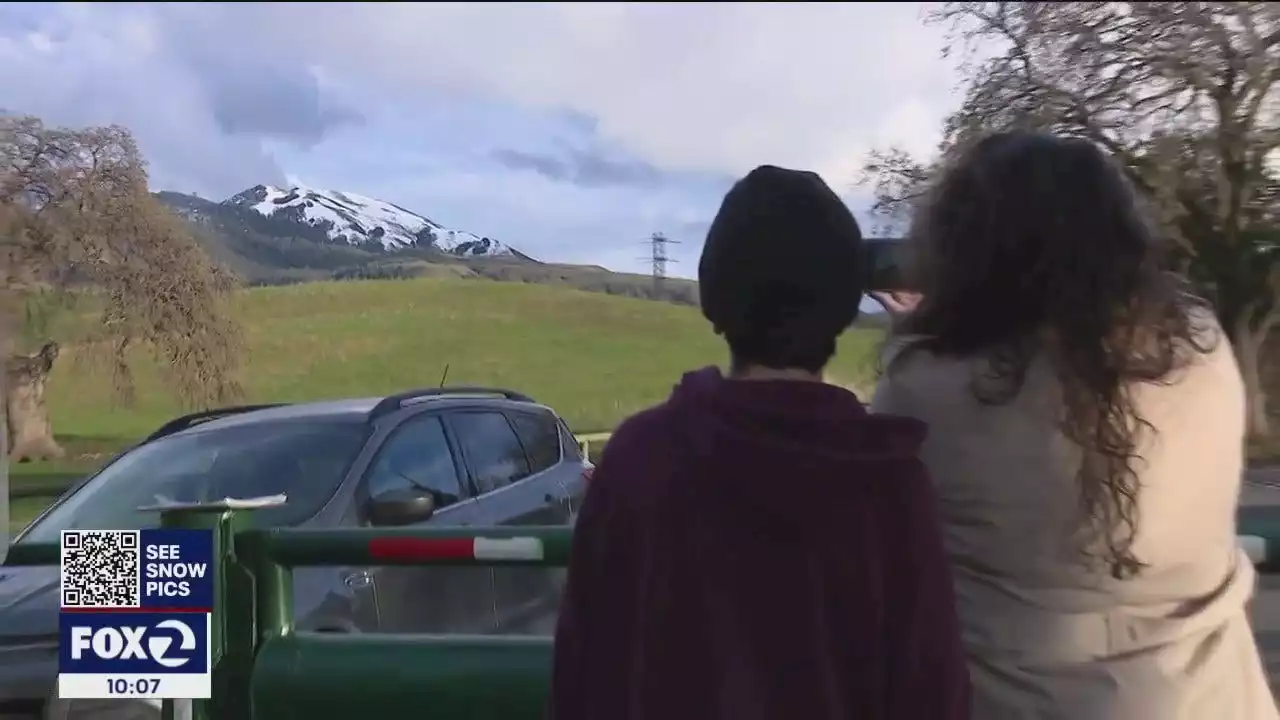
(517, 548)
(1253, 546)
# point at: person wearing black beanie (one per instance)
(780, 275)
(758, 546)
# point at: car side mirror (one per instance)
(402, 506)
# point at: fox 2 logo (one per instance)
(134, 642)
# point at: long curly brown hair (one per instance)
(1036, 246)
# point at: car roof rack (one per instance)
(189, 421)
(392, 403)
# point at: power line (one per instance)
(658, 258)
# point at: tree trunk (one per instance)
(7, 321)
(1248, 343)
(6, 347)
(30, 434)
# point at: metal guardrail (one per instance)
(586, 440)
(264, 668)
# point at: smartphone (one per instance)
(882, 264)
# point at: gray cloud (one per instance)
(203, 114)
(587, 168)
(275, 105)
(694, 229)
(166, 112)
(582, 122)
(220, 94)
(545, 165)
(249, 91)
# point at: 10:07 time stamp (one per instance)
(137, 686)
(132, 686)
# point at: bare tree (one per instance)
(1183, 94)
(76, 218)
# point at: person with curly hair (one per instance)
(1086, 433)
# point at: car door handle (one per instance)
(358, 580)
(567, 498)
(564, 503)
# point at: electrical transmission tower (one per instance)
(659, 258)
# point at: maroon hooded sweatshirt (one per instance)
(759, 550)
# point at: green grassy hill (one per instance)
(595, 358)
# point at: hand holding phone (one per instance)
(896, 302)
(884, 280)
(882, 265)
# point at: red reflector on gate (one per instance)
(420, 549)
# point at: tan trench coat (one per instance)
(1050, 639)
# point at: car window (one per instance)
(304, 460)
(568, 443)
(493, 452)
(540, 438)
(417, 455)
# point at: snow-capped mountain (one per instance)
(363, 221)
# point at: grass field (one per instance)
(595, 358)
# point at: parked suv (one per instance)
(454, 456)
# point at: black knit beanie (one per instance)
(781, 262)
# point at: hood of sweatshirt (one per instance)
(791, 451)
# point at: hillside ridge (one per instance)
(285, 246)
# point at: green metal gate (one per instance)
(311, 675)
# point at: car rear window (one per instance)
(569, 443)
(540, 437)
(492, 449)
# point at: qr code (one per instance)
(100, 569)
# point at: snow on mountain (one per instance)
(359, 220)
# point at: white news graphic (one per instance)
(135, 614)
(134, 655)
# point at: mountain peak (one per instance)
(354, 219)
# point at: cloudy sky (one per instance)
(570, 131)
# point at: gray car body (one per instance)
(349, 599)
